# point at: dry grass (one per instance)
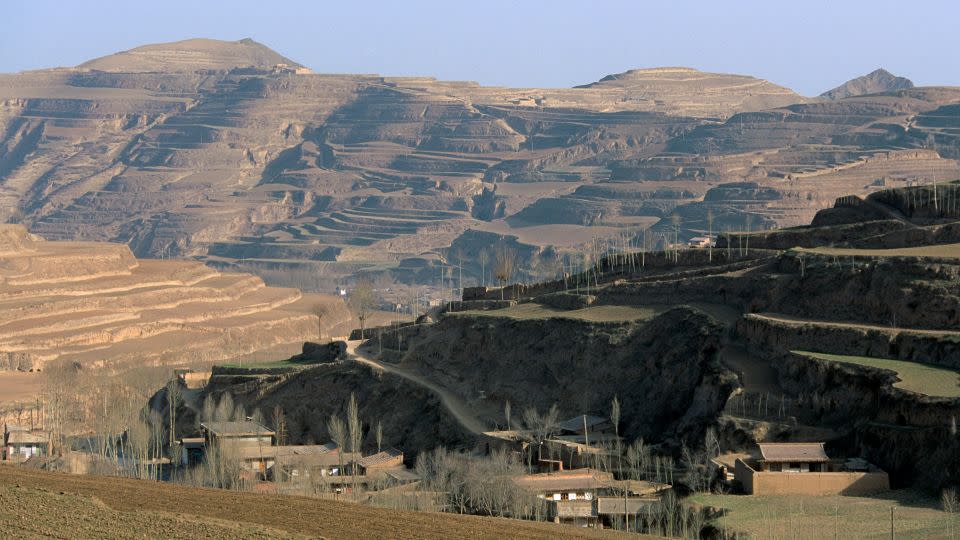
(591, 314)
(16, 386)
(68, 506)
(802, 517)
(927, 379)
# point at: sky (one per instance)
(809, 46)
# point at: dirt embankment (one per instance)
(907, 434)
(412, 417)
(665, 372)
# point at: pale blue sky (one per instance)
(809, 46)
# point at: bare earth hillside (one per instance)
(233, 154)
(97, 305)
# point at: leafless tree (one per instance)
(503, 266)
(540, 427)
(363, 300)
(506, 412)
(355, 430)
(338, 433)
(484, 258)
(379, 436)
(319, 311)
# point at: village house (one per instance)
(588, 497)
(700, 242)
(245, 432)
(21, 443)
(805, 469)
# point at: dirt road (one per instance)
(451, 402)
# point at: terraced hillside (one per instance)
(97, 305)
(231, 153)
(850, 338)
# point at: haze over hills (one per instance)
(213, 150)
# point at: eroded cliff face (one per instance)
(412, 418)
(665, 372)
(907, 434)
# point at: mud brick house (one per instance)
(588, 497)
(805, 469)
(20, 443)
(245, 432)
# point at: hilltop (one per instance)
(874, 82)
(191, 55)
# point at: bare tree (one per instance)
(319, 311)
(540, 428)
(506, 412)
(355, 434)
(484, 258)
(338, 433)
(503, 266)
(379, 436)
(363, 300)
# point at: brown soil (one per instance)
(218, 513)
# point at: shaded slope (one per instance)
(874, 82)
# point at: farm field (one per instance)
(17, 386)
(950, 251)
(589, 314)
(803, 517)
(64, 505)
(930, 380)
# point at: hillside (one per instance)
(168, 149)
(191, 55)
(97, 305)
(842, 331)
(48, 504)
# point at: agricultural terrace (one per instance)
(530, 311)
(926, 379)
(775, 517)
(944, 251)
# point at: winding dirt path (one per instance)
(460, 410)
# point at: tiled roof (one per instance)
(380, 458)
(576, 479)
(236, 429)
(797, 452)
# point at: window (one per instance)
(572, 496)
(794, 465)
(776, 467)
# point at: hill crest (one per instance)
(191, 55)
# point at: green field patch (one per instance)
(947, 251)
(807, 517)
(531, 311)
(926, 379)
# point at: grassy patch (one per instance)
(591, 314)
(800, 516)
(950, 251)
(927, 379)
